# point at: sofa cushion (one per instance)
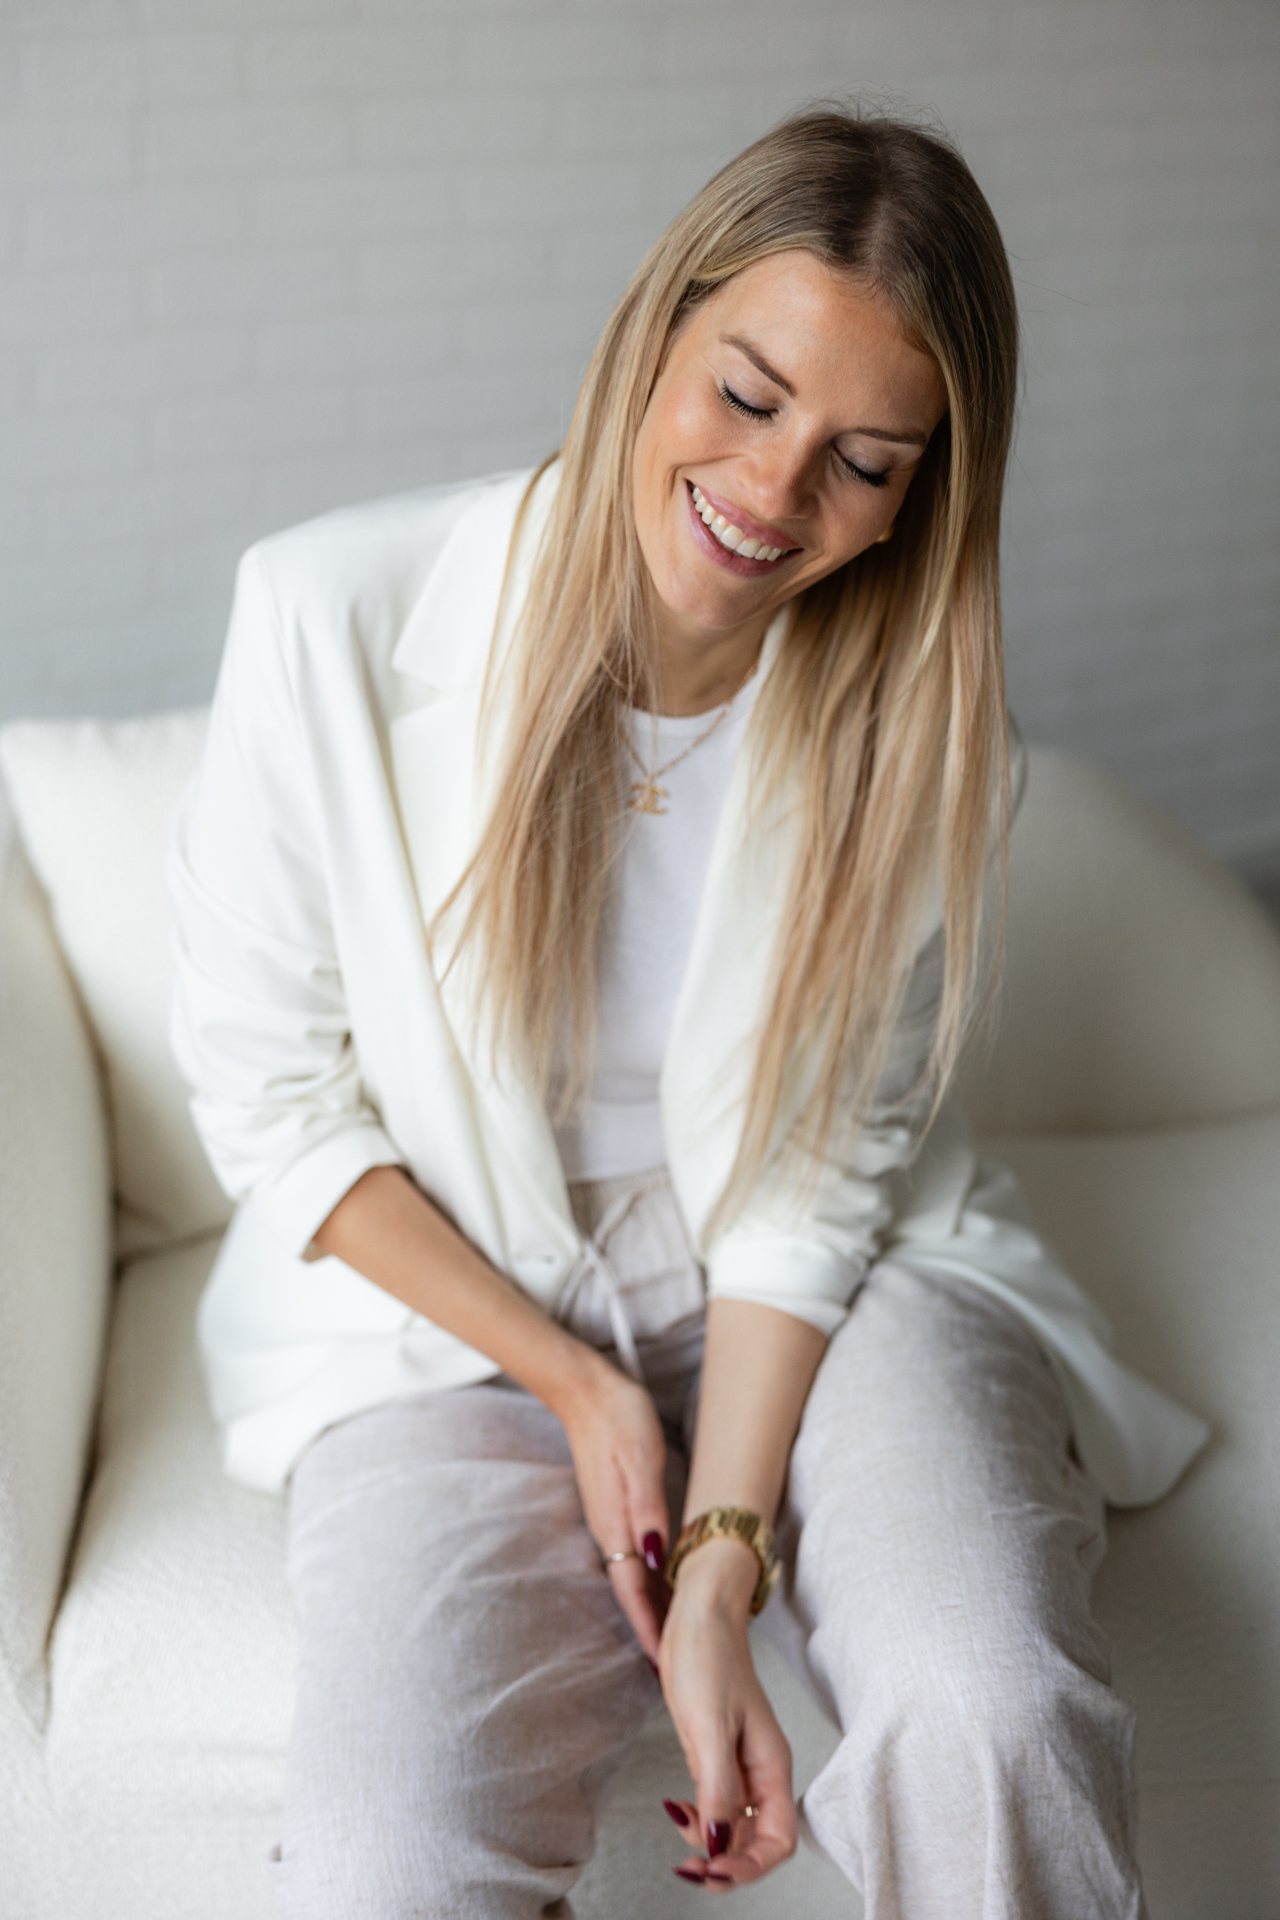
(94, 801)
(173, 1656)
(1176, 1234)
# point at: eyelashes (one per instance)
(862, 473)
(739, 405)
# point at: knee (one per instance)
(372, 1833)
(986, 1713)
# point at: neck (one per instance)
(699, 669)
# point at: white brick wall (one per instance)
(258, 257)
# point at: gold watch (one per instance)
(731, 1523)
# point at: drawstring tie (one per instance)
(593, 1266)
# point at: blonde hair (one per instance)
(885, 706)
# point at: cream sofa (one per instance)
(146, 1639)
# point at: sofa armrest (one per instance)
(55, 1272)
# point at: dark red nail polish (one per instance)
(676, 1813)
(718, 1836)
(651, 1547)
(687, 1873)
(654, 1665)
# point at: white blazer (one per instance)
(336, 805)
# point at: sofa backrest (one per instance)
(94, 801)
(1143, 985)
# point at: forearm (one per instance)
(757, 1370)
(756, 1374)
(388, 1230)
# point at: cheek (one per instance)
(683, 428)
(858, 524)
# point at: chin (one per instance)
(711, 603)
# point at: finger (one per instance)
(630, 1581)
(682, 1814)
(764, 1828)
(721, 1792)
(762, 1840)
(647, 1515)
(705, 1873)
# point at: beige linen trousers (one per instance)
(468, 1683)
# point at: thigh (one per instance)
(467, 1680)
(940, 1541)
(935, 1512)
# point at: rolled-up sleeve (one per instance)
(260, 1026)
(806, 1238)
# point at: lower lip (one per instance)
(738, 563)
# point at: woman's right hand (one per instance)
(619, 1452)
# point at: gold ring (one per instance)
(615, 1559)
(750, 1813)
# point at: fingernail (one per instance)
(651, 1546)
(676, 1813)
(718, 1836)
(654, 1665)
(687, 1873)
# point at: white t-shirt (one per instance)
(648, 937)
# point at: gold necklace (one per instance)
(646, 795)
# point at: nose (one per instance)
(780, 480)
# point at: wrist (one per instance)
(579, 1382)
(720, 1577)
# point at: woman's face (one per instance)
(792, 412)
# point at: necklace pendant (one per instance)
(645, 796)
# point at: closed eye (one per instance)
(739, 405)
(861, 473)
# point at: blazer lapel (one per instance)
(444, 784)
(445, 789)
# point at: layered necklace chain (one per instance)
(646, 796)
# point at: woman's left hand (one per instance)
(735, 1749)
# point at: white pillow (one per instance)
(94, 800)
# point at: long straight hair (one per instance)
(884, 712)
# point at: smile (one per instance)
(732, 537)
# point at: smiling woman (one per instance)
(788, 419)
(590, 1131)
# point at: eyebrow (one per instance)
(757, 359)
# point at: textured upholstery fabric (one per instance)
(54, 1273)
(94, 800)
(1143, 983)
(1177, 1233)
(172, 1659)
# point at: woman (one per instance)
(580, 908)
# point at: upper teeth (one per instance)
(730, 536)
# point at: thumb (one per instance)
(720, 1792)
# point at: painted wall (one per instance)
(260, 257)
